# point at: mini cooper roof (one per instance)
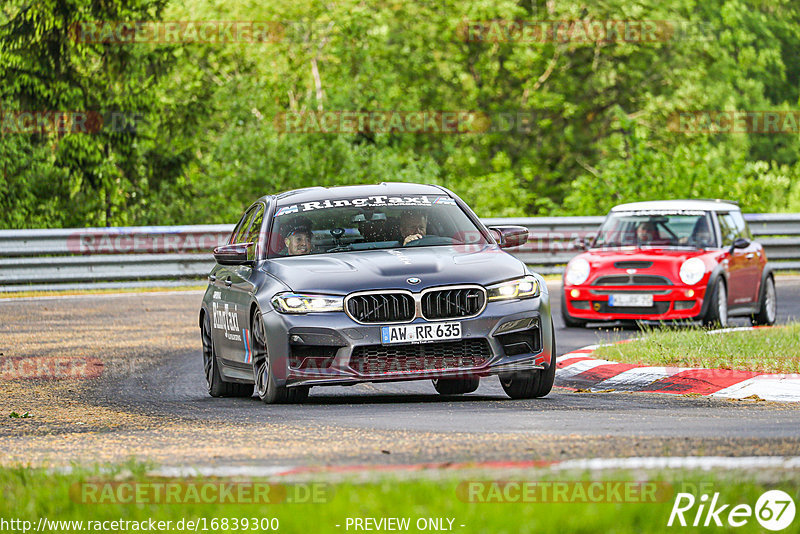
(699, 205)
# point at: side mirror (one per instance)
(235, 254)
(510, 236)
(740, 242)
(580, 243)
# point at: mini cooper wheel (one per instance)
(531, 384)
(768, 307)
(267, 387)
(717, 314)
(456, 386)
(214, 384)
(570, 321)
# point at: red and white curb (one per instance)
(580, 370)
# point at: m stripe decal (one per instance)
(248, 354)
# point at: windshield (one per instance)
(656, 229)
(366, 223)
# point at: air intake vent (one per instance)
(632, 280)
(453, 303)
(398, 359)
(381, 307)
(633, 264)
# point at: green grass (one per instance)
(30, 494)
(766, 350)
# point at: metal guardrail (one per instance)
(173, 255)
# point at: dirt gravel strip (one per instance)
(581, 371)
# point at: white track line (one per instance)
(104, 295)
(221, 471)
(683, 462)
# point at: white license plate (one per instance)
(420, 333)
(630, 301)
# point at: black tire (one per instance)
(717, 313)
(768, 306)
(215, 385)
(570, 321)
(531, 384)
(456, 386)
(266, 386)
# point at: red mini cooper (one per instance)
(670, 259)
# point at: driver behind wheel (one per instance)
(413, 226)
(298, 236)
(701, 235)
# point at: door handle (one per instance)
(212, 278)
(228, 282)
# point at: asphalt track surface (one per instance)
(159, 409)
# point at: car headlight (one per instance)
(305, 303)
(692, 271)
(522, 288)
(577, 272)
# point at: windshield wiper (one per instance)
(340, 248)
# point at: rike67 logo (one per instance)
(774, 510)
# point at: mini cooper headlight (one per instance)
(305, 303)
(692, 271)
(577, 271)
(522, 288)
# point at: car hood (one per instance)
(665, 262)
(345, 272)
(662, 256)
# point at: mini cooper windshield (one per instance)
(692, 229)
(375, 222)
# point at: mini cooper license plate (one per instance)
(420, 333)
(623, 301)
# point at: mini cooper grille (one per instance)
(387, 359)
(381, 308)
(632, 280)
(452, 303)
(656, 309)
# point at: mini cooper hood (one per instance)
(664, 258)
(659, 256)
(345, 272)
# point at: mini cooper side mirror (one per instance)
(509, 236)
(740, 242)
(580, 243)
(235, 254)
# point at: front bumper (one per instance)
(591, 303)
(330, 348)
